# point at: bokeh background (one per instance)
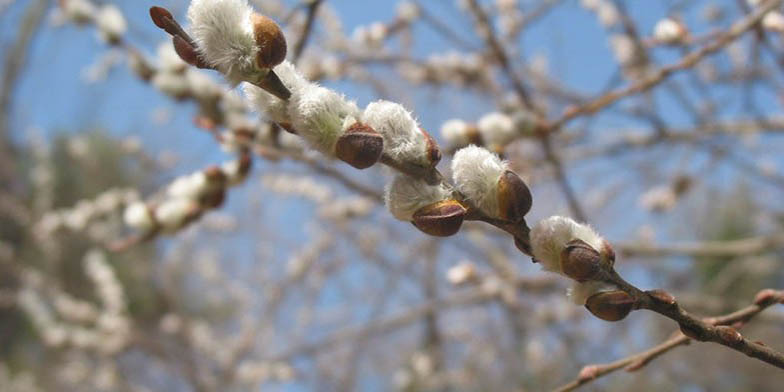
(302, 280)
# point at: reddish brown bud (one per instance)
(580, 261)
(360, 146)
(214, 174)
(610, 305)
(433, 152)
(270, 40)
(609, 253)
(767, 297)
(161, 17)
(514, 197)
(440, 219)
(188, 53)
(662, 296)
(729, 335)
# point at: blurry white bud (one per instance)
(497, 129)
(407, 11)
(773, 21)
(320, 116)
(111, 23)
(173, 214)
(172, 84)
(550, 238)
(659, 199)
(191, 186)
(274, 108)
(78, 11)
(138, 216)
(669, 31)
(170, 323)
(591, 5)
(201, 85)
(223, 31)
(236, 170)
(476, 172)
(608, 14)
(403, 140)
(461, 273)
(168, 58)
(623, 48)
(405, 195)
(456, 133)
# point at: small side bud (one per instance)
(580, 261)
(161, 17)
(433, 152)
(441, 219)
(270, 40)
(767, 297)
(188, 53)
(610, 305)
(514, 197)
(662, 296)
(729, 335)
(360, 146)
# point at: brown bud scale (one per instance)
(514, 197)
(580, 261)
(610, 305)
(360, 146)
(441, 219)
(270, 41)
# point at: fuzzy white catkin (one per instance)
(455, 133)
(550, 236)
(79, 11)
(476, 171)
(274, 108)
(403, 140)
(405, 195)
(111, 23)
(773, 21)
(138, 216)
(497, 129)
(668, 31)
(320, 116)
(172, 213)
(223, 32)
(191, 186)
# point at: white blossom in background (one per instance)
(172, 214)
(407, 11)
(78, 11)
(773, 21)
(139, 217)
(405, 195)
(497, 129)
(462, 273)
(669, 31)
(110, 23)
(659, 199)
(476, 171)
(607, 13)
(455, 133)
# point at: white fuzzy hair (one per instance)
(476, 172)
(455, 133)
(223, 32)
(550, 236)
(580, 292)
(318, 114)
(274, 108)
(405, 195)
(110, 22)
(403, 140)
(496, 128)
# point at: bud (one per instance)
(360, 146)
(580, 261)
(610, 305)
(188, 53)
(441, 219)
(661, 296)
(669, 31)
(729, 335)
(270, 41)
(514, 197)
(767, 297)
(433, 152)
